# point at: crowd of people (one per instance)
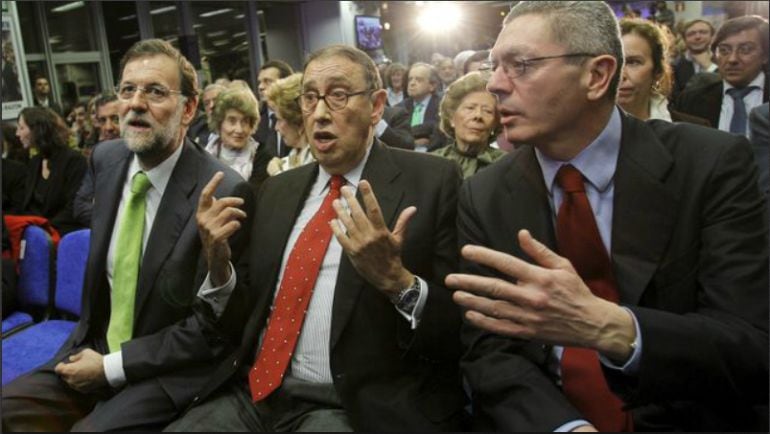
(565, 232)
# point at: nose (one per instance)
(499, 84)
(138, 101)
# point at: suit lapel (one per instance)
(176, 208)
(383, 175)
(644, 209)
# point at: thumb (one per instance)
(76, 357)
(541, 254)
(403, 220)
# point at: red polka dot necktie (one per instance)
(290, 304)
(579, 241)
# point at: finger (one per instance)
(207, 194)
(76, 357)
(495, 308)
(218, 205)
(403, 220)
(224, 232)
(498, 326)
(60, 368)
(495, 288)
(356, 212)
(502, 262)
(540, 253)
(371, 204)
(348, 225)
(227, 215)
(339, 233)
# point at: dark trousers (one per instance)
(41, 401)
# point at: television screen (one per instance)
(368, 32)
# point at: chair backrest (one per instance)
(70, 271)
(34, 285)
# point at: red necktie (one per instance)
(290, 305)
(579, 241)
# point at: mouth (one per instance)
(324, 140)
(139, 124)
(507, 116)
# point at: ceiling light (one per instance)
(162, 10)
(215, 13)
(127, 17)
(68, 7)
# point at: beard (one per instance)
(154, 140)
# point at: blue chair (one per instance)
(37, 344)
(33, 288)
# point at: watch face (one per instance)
(409, 299)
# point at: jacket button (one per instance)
(196, 399)
(235, 363)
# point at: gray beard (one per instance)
(158, 140)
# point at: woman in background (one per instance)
(234, 118)
(282, 99)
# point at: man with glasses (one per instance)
(340, 310)
(741, 48)
(615, 271)
(136, 354)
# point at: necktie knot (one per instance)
(140, 183)
(738, 94)
(335, 184)
(570, 179)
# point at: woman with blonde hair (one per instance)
(470, 119)
(282, 98)
(234, 119)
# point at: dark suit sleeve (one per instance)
(191, 340)
(509, 390)
(74, 171)
(719, 350)
(398, 134)
(436, 337)
(83, 204)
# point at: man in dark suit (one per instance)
(741, 47)
(759, 123)
(42, 95)
(393, 129)
(199, 130)
(129, 362)
(617, 270)
(697, 57)
(266, 134)
(377, 348)
(422, 106)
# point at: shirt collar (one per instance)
(597, 162)
(759, 81)
(351, 178)
(424, 102)
(160, 174)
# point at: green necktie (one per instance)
(128, 256)
(417, 115)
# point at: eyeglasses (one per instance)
(517, 68)
(154, 93)
(335, 100)
(725, 50)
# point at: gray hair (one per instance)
(581, 26)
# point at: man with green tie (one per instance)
(422, 106)
(127, 365)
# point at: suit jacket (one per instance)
(759, 126)
(388, 376)
(14, 177)
(706, 101)
(67, 168)
(165, 325)
(399, 133)
(268, 137)
(429, 129)
(690, 255)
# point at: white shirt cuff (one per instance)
(631, 367)
(414, 316)
(217, 297)
(380, 128)
(113, 369)
(570, 426)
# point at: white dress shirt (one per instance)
(159, 177)
(310, 360)
(752, 100)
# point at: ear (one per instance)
(190, 109)
(379, 98)
(599, 73)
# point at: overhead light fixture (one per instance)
(162, 10)
(386, 26)
(438, 17)
(239, 16)
(215, 13)
(68, 7)
(217, 33)
(127, 17)
(220, 42)
(239, 34)
(131, 36)
(197, 25)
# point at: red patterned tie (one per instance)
(290, 305)
(579, 241)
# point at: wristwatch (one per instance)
(407, 298)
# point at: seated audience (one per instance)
(234, 119)
(395, 78)
(470, 119)
(475, 61)
(199, 131)
(55, 172)
(422, 106)
(269, 139)
(741, 46)
(282, 97)
(697, 58)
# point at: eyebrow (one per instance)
(331, 81)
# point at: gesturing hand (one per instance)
(374, 251)
(549, 302)
(84, 372)
(218, 220)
